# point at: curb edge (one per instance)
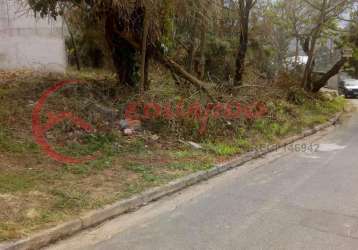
(96, 217)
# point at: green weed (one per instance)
(222, 149)
(15, 182)
(10, 143)
(146, 172)
(190, 166)
(70, 199)
(184, 154)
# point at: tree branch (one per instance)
(332, 72)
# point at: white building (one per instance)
(27, 42)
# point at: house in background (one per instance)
(326, 57)
(27, 42)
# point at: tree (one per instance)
(350, 39)
(244, 7)
(324, 15)
(270, 37)
(123, 24)
(139, 31)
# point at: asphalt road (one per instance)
(287, 200)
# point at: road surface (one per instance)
(284, 201)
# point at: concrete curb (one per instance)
(97, 217)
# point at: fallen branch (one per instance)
(180, 71)
(172, 66)
(316, 86)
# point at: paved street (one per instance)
(283, 201)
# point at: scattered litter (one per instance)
(128, 131)
(155, 137)
(129, 127)
(195, 145)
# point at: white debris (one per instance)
(195, 145)
(155, 137)
(128, 131)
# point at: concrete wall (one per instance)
(27, 42)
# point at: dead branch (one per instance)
(172, 65)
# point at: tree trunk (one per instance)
(202, 56)
(122, 52)
(316, 86)
(77, 58)
(241, 57)
(144, 61)
(222, 19)
(307, 76)
(245, 8)
(201, 71)
(146, 74)
(192, 49)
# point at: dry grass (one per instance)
(37, 192)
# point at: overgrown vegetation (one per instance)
(37, 192)
(207, 52)
(211, 40)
